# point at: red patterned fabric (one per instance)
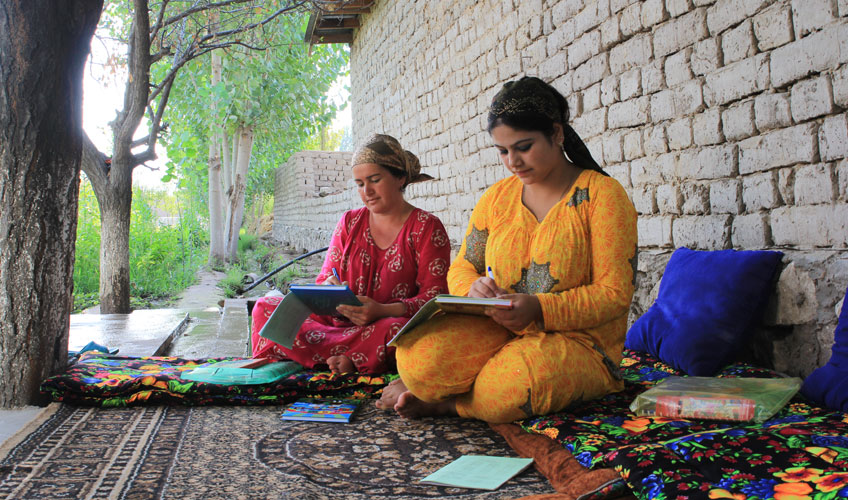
(411, 270)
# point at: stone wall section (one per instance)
(724, 120)
(310, 192)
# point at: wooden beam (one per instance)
(318, 38)
(335, 6)
(314, 18)
(329, 23)
(348, 11)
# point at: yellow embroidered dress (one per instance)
(580, 261)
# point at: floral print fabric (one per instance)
(412, 270)
(114, 381)
(799, 454)
(578, 260)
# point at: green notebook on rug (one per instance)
(242, 371)
(478, 471)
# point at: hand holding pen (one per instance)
(334, 279)
(486, 286)
(525, 307)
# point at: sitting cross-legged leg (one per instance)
(493, 375)
(536, 374)
(441, 359)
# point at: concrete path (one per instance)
(202, 324)
(218, 327)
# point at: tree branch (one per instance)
(138, 86)
(154, 58)
(138, 142)
(224, 45)
(201, 8)
(249, 27)
(156, 27)
(94, 163)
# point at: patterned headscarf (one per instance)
(531, 96)
(386, 151)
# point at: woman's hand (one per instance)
(525, 310)
(367, 313)
(485, 287)
(332, 280)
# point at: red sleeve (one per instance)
(431, 247)
(333, 258)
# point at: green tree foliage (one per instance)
(280, 91)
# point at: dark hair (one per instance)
(398, 174)
(531, 120)
(532, 105)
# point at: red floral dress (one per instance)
(412, 270)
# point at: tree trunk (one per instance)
(217, 243)
(112, 183)
(115, 210)
(235, 208)
(43, 47)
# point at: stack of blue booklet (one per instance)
(321, 410)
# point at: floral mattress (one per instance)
(98, 379)
(800, 453)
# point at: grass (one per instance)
(233, 283)
(256, 257)
(164, 259)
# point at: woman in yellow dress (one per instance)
(557, 238)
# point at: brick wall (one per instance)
(310, 192)
(723, 119)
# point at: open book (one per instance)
(451, 304)
(298, 304)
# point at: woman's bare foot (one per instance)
(340, 364)
(390, 395)
(409, 406)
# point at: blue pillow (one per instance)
(707, 305)
(828, 385)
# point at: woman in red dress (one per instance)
(394, 256)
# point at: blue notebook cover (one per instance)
(323, 299)
(321, 410)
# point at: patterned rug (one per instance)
(237, 452)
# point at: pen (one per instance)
(336, 274)
(489, 272)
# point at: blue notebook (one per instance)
(321, 410)
(323, 299)
(298, 304)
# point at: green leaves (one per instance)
(280, 91)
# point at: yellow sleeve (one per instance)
(470, 262)
(613, 247)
